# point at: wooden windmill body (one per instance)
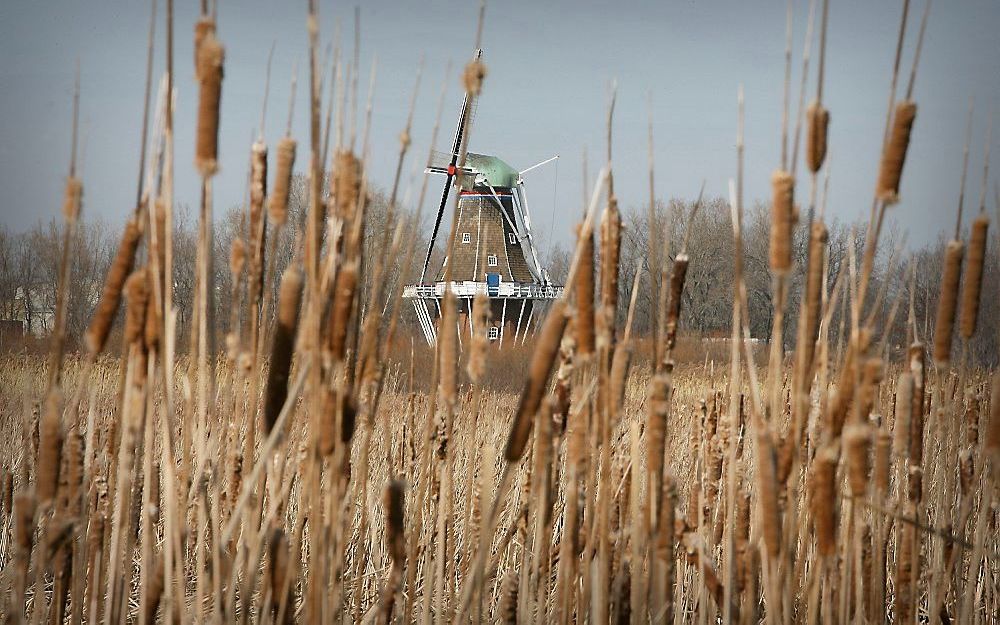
(493, 251)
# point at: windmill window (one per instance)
(491, 260)
(494, 333)
(512, 238)
(466, 237)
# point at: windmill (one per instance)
(494, 251)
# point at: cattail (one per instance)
(282, 345)
(507, 609)
(656, 428)
(583, 322)
(279, 567)
(278, 202)
(741, 538)
(24, 520)
(6, 491)
(71, 199)
(448, 349)
(783, 218)
(72, 472)
(203, 28)
(237, 258)
(258, 226)
(904, 406)
(767, 481)
(813, 299)
(947, 302)
(904, 574)
(394, 521)
(50, 440)
(857, 440)
(883, 461)
(472, 77)
(673, 313)
(546, 349)
(871, 377)
(823, 501)
(209, 72)
(992, 441)
(891, 168)
(154, 590)
(621, 362)
(346, 185)
(476, 367)
(107, 306)
(136, 294)
(966, 471)
(972, 289)
(340, 312)
(917, 370)
(611, 241)
(819, 121)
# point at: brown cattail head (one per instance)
(278, 202)
(24, 520)
(883, 461)
(583, 322)
(611, 241)
(621, 362)
(673, 313)
(340, 311)
(857, 440)
(656, 428)
(809, 329)
(891, 168)
(819, 121)
(448, 349)
(767, 482)
(136, 295)
(394, 523)
(918, 370)
(107, 306)
(279, 565)
(783, 218)
(258, 180)
(948, 302)
(71, 199)
(237, 258)
(973, 286)
(823, 501)
(204, 27)
(991, 443)
(904, 407)
(346, 185)
(50, 440)
(472, 77)
(476, 367)
(507, 607)
(282, 345)
(209, 72)
(871, 377)
(546, 349)
(154, 591)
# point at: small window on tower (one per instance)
(466, 237)
(494, 333)
(491, 260)
(512, 238)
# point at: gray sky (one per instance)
(550, 65)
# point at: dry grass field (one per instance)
(303, 467)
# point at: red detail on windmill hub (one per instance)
(451, 170)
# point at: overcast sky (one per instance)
(550, 65)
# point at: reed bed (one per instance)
(299, 475)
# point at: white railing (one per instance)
(511, 290)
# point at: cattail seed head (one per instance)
(279, 565)
(917, 370)
(904, 406)
(204, 27)
(448, 349)
(823, 501)
(883, 461)
(278, 201)
(894, 154)
(992, 440)
(50, 440)
(546, 350)
(107, 306)
(282, 345)
(621, 362)
(209, 71)
(819, 121)
(24, 520)
(583, 322)
(973, 286)
(948, 302)
(481, 313)
(507, 609)
(656, 428)
(71, 199)
(394, 522)
(783, 218)
(237, 258)
(136, 295)
(472, 77)
(857, 440)
(809, 329)
(767, 481)
(346, 185)
(677, 277)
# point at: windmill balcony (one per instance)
(507, 290)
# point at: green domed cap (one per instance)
(496, 172)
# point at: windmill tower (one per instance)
(493, 252)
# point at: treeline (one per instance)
(29, 264)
